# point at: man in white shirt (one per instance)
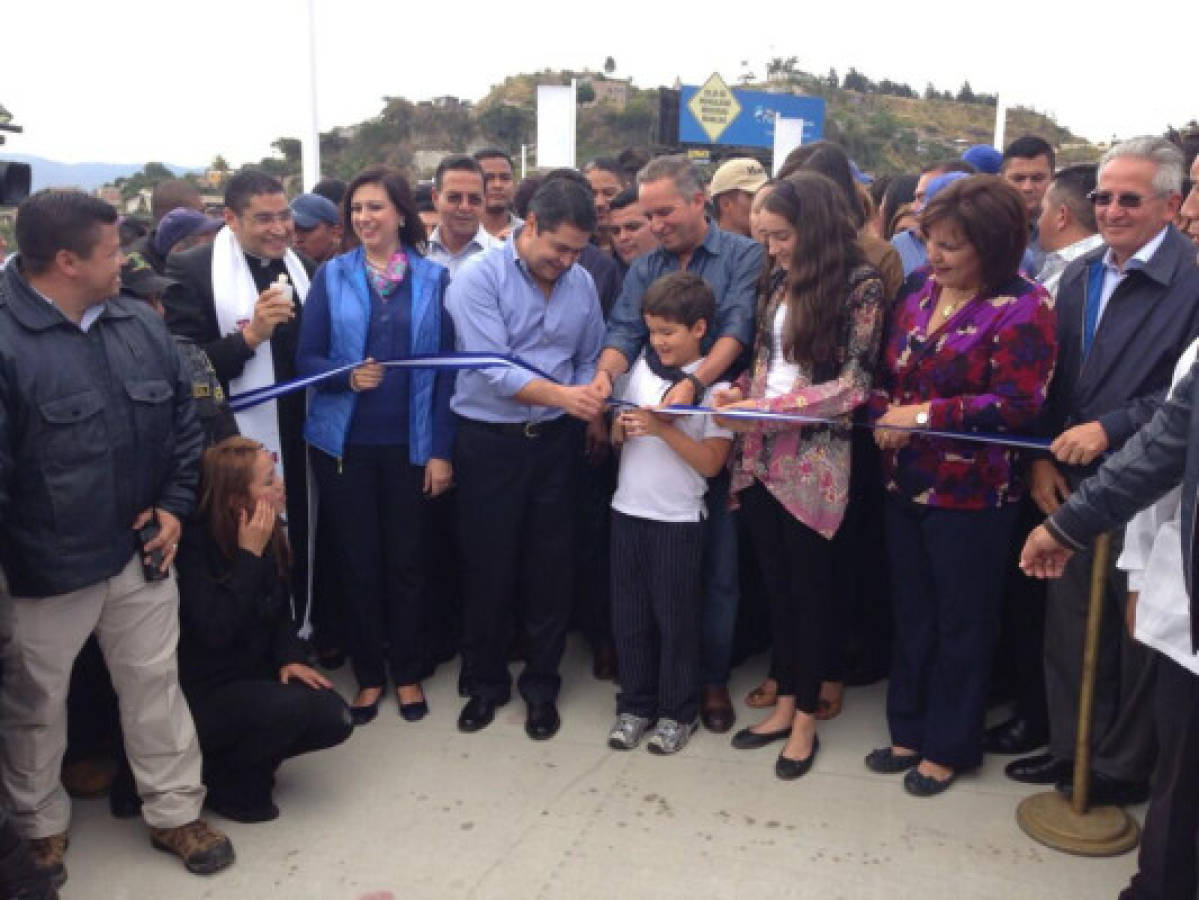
(1067, 224)
(458, 196)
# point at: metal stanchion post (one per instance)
(1069, 825)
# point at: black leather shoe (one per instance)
(542, 722)
(603, 667)
(716, 711)
(745, 739)
(477, 714)
(1105, 791)
(789, 769)
(1041, 769)
(414, 712)
(887, 762)
(248, 812)
(1016, 735)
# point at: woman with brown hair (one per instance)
(254, 700)
(819, 321)
(971, 347)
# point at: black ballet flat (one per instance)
(363, 715)
(414, 712)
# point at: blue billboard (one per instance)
(743, 118)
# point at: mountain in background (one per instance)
(86, 176)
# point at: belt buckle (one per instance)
(532, 429)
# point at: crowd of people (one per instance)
(853, 478)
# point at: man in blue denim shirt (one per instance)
(517, 453)
(672, 196)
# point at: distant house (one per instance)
(609, 92)
(110, 195)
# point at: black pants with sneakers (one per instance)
(657, 597)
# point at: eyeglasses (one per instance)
(266, 218)
(1125, 200)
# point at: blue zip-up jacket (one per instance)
(345, 284)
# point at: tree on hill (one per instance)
(506, 125)
(289, 147)
(585, 93)
(219, 164)
(965, 94)
(150, 175)
(609, 65)
(782, 68)
(856, 81)
(833, 80)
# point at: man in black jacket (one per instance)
(1126, 312)
(232, 305)
(98, 440)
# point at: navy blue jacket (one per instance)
(95, 427)
(1151, 318)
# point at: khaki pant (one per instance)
(137, 625)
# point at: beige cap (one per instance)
(740, 174)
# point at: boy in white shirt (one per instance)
(658, 528)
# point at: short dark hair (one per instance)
(1028, 146)
(901, 190)
(563, 200)
(681, 297)
(456, 162)
(422, 197)
(332, 189)
(53, 220)
(623, 200)
(953, 164)
(633, 160)
(1071, 186)
(494, 153)
(247, 184)
(412, 231)
(173, 193)
(990, 214)
(524, 193)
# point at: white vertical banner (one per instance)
(788, 134)
(1000, 122)
(310, 146)
(555, 125)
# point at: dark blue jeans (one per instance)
(722, 589)
(947, 574)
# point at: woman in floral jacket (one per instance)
(819, 324)
(970, 349)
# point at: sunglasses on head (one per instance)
(1125, 199)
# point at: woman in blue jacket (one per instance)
(381, 437)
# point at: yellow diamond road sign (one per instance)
(714, 107)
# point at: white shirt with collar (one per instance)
(1056, 261)
(1113, 274)
(439, 253)
(87, 320)
(1152, 557)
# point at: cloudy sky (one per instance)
(133, 80)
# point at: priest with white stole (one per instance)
(241, 303)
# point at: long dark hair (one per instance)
(412, 232)
(226, 475)
(832, 162)
(826, 252)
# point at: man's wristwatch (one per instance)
(699, 387)
(922, 418)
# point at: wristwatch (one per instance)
(922, 418)
(699, 388)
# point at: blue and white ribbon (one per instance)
(459, 361)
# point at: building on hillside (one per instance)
(609, 92)
(110, 195)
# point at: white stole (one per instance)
(234, 295)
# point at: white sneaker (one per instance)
(670, 736)
(627, 731)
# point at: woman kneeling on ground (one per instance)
(254, 701)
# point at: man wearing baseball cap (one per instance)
(181, 229)
(318, 227)
(732, 189)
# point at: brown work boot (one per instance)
(47, 855)
(202, 849)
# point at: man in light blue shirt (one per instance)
(458, 198)
(519, 444)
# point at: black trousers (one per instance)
(247, 727)
(797, 567)
(597, 483)
(657, 582)
(1020, 664)
(1166, 865)
(947, 570)
(328, 601)
(375, 505)
(516, 518)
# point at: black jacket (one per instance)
(1158, 457)
(1151, 318)
(235, 617)
(95, 427)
